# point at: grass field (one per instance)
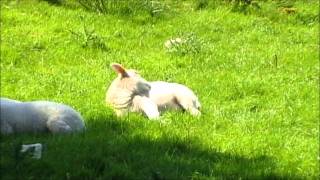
(255, 72)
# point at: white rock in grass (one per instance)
(169, 44)
(129, 92)
(38, 116)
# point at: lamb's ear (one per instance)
(119, 69)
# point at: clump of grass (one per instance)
(99, 6)
(245, 6)
(201, 4)
(125, 7)
(204, 4)
(38, 46)
(186, 44)
(55, 2)
(88, 37)
(155, 8)
(278, 11)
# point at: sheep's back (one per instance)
(57, 111)
(33, 116)
(22, 118)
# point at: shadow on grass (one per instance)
(54, 2)
(115, 149)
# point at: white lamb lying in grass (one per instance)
(129, 92)
(38, 116)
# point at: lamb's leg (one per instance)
(189, 104)
(57, 125)
(147, 106)
(121, 112)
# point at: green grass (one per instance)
(256, 76)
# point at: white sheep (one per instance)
(38, 116)
(129, 92)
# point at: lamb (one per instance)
(37, 117)
(129, 92)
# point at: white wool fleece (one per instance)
(38, 116)
(129, 92)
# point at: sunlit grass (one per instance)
(256, 78)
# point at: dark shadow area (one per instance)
(116, 149)
(54, 2)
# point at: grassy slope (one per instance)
(259, 117)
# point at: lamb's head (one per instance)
(127, 85)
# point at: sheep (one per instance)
(130, 92)
(38, 116)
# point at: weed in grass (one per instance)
(245, 6)
(55, 2)
(187, 43)
(125, 7)
(38, 46)
(99, 6)
(155, 8)
(206, 4)
(201, 4)
(88, 37)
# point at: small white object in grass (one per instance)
(174, 42)
(36, 148)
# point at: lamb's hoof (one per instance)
(195, 112)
